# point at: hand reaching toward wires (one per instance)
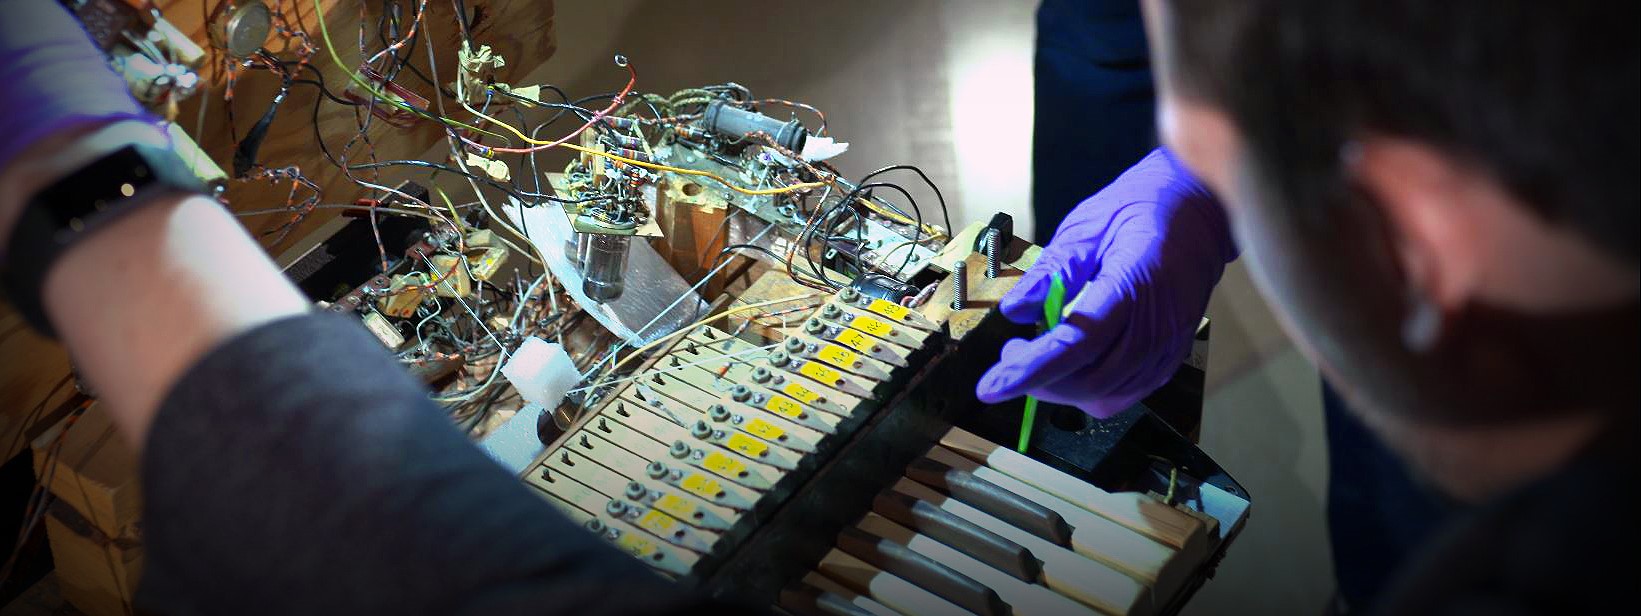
(1145, 253)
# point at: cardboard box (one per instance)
(92, 523)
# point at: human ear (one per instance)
(1432, 222)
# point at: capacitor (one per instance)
(603, 265)
(736, 123)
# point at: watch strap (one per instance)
(77, 205)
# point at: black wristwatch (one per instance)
(78, 205)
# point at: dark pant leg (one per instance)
(1378, 514)
(1094, 103)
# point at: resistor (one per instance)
(690, 131)
(620, 123)
(960, 285)
(633, 154)
(624, 141)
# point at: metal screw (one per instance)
(960, 285)
(994, 241)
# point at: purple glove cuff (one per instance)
(55, 79)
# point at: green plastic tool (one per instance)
(1053, 306)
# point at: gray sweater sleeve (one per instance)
(297, 469)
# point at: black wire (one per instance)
(945, 213)
(848, 202)
(410, 52)
(461, 19)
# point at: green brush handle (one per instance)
(1053, 307)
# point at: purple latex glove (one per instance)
(52, 77)
(1139, 260)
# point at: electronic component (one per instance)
(883, 287)
(603, 260)
(816, 474)
(736, 124)
(239, 27)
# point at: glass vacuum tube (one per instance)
(603, 264)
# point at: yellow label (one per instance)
(837, 356)
(889, 309)
(700, 485)
(656, 522)
(764, 430)
(676, 506)
(747, 445)
(784, 406)
(820, 373)
(855, 340)
(635, 544)
(872, 326)
(800, 393)
(720, 463)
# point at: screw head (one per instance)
(761, 375)
(656, 470)
(679, 450)
(636, 490)
(717, 412)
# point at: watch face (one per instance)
(76, 199)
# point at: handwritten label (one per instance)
(820, 373)
(635, 544)
(837, 356)
(676, 506)
(700, 485)
(889, 309)
(764, 430)
(855, 340)
(746, 445)
(720, 463)
(656, 522)
(784, 406)
(872, 326)
(800, 393)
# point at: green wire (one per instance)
(1053, 306)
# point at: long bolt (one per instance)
(960, 285)
(993, 246)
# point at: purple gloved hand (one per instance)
(1139, 260)
(52, 77)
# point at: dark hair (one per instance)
(1540, 94)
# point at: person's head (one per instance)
(1440, 197)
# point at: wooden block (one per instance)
(93, 525)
